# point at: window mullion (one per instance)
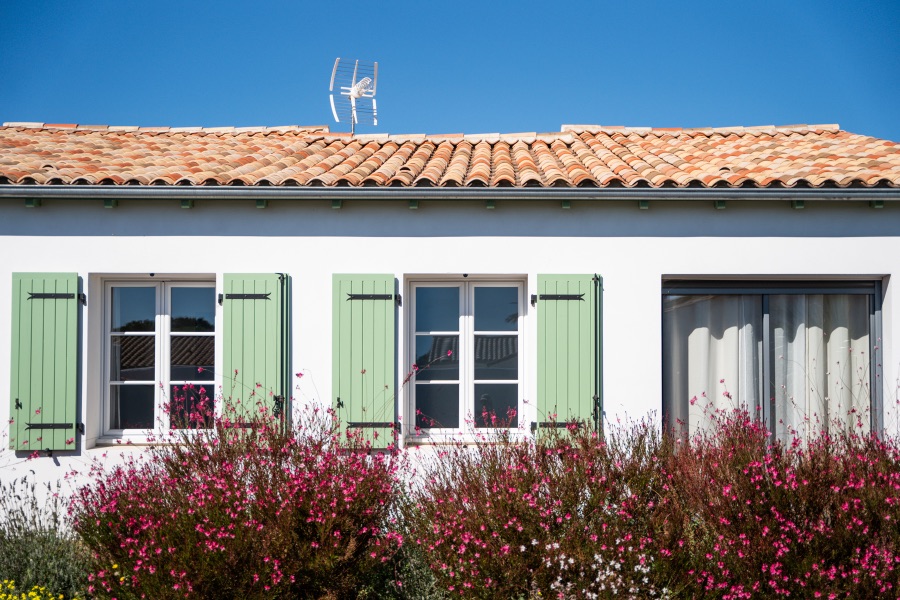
(163, 391)
(467, 353)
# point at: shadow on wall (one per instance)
(361, 218)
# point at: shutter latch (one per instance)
(18, 404)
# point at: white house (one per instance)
(598, 273)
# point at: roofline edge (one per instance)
(99, 192)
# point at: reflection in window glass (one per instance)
(437, 405)
(132, 407)
(193, 308)
(192, 358)
(496, 404)
(132, 358)
(437, 309)
(133, 309)
(496, 308)
(437, 357)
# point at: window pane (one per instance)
(192, 358)
(133, 308)
(437, 405)
(496, 405)
(437, 309)
(432, 359)
(132, 358)
(712, 349)
(496, 309)
(496, 357)
(131, 406)
(193, 309)
(190, 407)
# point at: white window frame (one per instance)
(763, 288)
(162, 334)
(467, 286)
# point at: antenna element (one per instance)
(355, 82)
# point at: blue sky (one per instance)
(455, 67)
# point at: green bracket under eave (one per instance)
(413, 204)
(187, 203)
(720, 204)
(489, 204)
(110, 203)
(32, 202)
(876, 204)
(337, 203)
(262, 203)
(797, 204)
(644, 204)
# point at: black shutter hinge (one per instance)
(371, 424)
(340, 403)
(49, 426)
(57, 296)
(535, 297)
(279, 407)
(396, 297)
(554, 425)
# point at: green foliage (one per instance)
(37, 547)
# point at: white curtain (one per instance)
(820, 363)
(712, 357)
(819, 359)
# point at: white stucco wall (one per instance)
(634, 250)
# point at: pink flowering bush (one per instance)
(238, 511)
(567, 516)
(728, 514)
(742, 517)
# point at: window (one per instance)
(160, 353)
(465, 340)
(804, 355)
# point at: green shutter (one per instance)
(569, 309)
(256, 345)
(364, 349)
(44, 375)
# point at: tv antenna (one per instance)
(355, 82)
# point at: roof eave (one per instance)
(101, 192)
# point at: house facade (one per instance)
(441, 286)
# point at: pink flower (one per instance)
(298, 375)
(199, 369)
(449, 352)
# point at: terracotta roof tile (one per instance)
(580, 155)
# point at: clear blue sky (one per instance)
(453, 67)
